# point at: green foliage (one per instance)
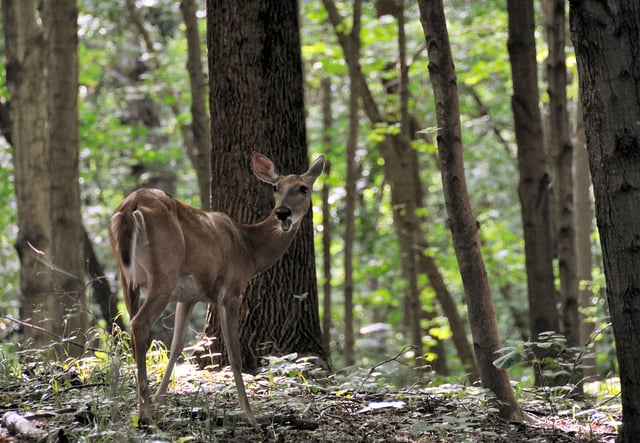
(93, 398)
(557, 364)
(8, 230)
(119, 152)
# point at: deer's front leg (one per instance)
(229, 308)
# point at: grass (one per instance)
(94, 399)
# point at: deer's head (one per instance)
(292, 193)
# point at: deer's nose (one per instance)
(283, 213)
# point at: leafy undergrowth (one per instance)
(93, 399)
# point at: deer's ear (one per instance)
(315, 169)
(264, 168)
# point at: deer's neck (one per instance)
(266, 242)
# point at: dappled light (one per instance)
(458, 263)
(94, 399)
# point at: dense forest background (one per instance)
(134, 108)
(135, 120)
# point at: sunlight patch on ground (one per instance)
(583, 427)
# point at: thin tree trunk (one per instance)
(429, 267)
(438, 348)
(327, 118)
(533, 187)
(200, 142)
(350, 203)
(464, 227)
(375, 117)
(584, 221)
(534, 183)
(413, 293)
(397, 152)
(25, 63)
(561, 151)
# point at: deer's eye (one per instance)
(304, 189)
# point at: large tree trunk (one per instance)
(24, 50)
(256, 100)
(70, 301)
(607, 42)
(464, 227)
(533, 188)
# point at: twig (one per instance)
(289, 420)
(43, 259)
(56, 337)
(83, 386)
(377, 365)
(17, 424)
(139, 24)
(578, 359)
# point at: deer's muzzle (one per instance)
(284, 215)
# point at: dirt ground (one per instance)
(95, 401)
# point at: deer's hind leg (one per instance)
(161, 272)
(156, 301)
(181, 325)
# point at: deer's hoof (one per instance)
(144, 419)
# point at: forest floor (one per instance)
(93, 399)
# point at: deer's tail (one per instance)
(126, 230)
(121, 233)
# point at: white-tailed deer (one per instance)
(168, 251)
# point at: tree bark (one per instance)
(464, 227)
(69, 293)
(256, 102)
(533, 187)
(606, 38)
(25, 63)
